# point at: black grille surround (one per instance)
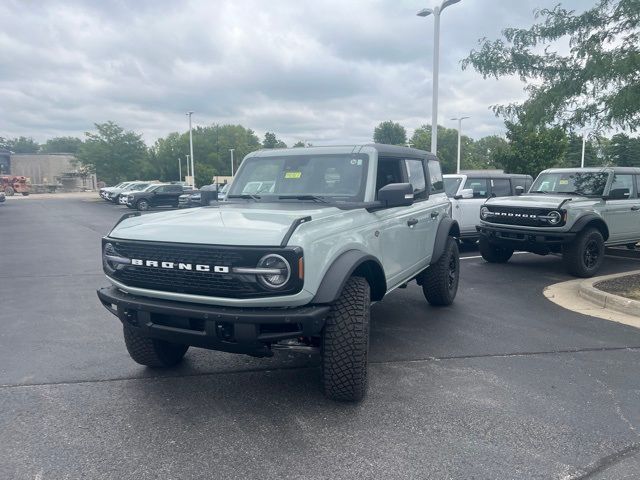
(210, 284)
(524, 216)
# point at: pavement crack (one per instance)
(606, 462)
(313, 366)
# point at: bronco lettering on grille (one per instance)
(179, 266)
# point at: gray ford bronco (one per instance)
(575, 212)
(306, 241)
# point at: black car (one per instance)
(162, 195)
(194, 198)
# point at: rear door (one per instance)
(471, 207)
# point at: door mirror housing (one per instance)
(618, 194)
(465, 193)
(519, 190)
(396, 195)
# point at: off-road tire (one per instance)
(440, 280)
(9, 191)
(631, 246)
(345, 343)
(142, 205)
(493, 253)
(576, 258)
(151, 352)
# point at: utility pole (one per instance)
(188, 168)
(425, 12)
(193, 171)
(584, 145)
(459, 119)
(231, 150)
(179, 169)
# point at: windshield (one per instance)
(151, 187)
(589, 184)
(138, 186)
(340, 177)
(451, 185)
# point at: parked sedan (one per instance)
(160, 195)
(134, 187)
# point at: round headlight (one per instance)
(274, 262)
(484, 213)
(554, 217)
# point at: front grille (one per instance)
(194, 282)
(529, 217)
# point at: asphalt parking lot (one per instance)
(503, 384)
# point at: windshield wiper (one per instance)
(303, 197)
(539, 191)
(246, 196)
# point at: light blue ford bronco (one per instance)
(306, 241)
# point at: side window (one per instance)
(480, 187)
(389, 171)
(161, 189)
(624, 185)
(175, 188)
(435, 176)
(500, 187)
(415, 175)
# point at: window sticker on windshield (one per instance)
(564, 182)
(293, 174)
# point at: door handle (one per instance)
(412, 221)
(435, 214)
(635, 207)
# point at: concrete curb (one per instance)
(587, 290)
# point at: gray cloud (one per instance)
(321, 71)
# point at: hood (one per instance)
(535, 201)
(233, 224)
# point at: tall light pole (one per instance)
(584, 146)
(459, 119)
(188, 168)
(193, 171)
(425, 12)
(231, 150)
(179, 169)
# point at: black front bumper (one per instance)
(236, 330)
(518, 239)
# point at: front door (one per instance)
(621, 214)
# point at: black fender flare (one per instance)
(349, 263)
(591, 218)
(448, 228)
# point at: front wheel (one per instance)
(493, 253)
(9, 191)
(142, 205)
(152, 352)
(583, 257)
(345, 343)
(440, 280)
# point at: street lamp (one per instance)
(179, 169)
(425, 12)
(584, 146)
(231, 150)
(188, 167)
(193, 172)
(459, 119)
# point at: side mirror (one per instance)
(466, 193)
(519, 190)
(396, 195)
(618, 194)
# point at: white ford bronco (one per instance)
(293, 264)
(575, 212)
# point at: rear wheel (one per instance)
(142, 205)
(9, 191)
(440, 280)
(493, 253)
(583, 257)
(152, 352)
(345, 343)
(25, 194)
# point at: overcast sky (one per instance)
(325, 71)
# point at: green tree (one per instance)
(532, 149)
(301, 144)
(484, 152)
(62, 145)
(447, 147)
(596, 83)
(24, 145)
(271, 141)
(113, 154)
(624, 151)
(390, 133)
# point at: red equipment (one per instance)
(10, 184)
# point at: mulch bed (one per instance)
(627, 286)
